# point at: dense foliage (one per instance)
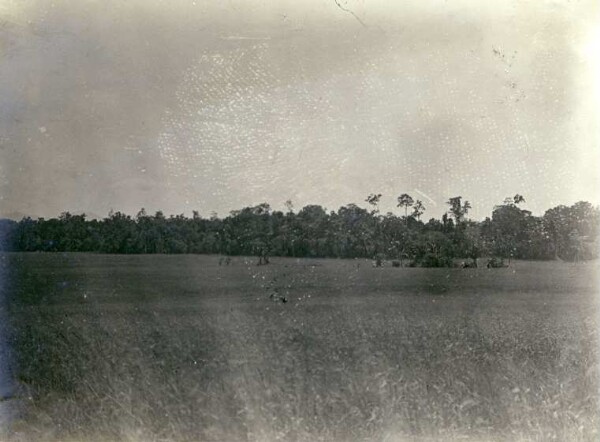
(563, 232)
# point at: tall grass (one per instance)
(179, 349)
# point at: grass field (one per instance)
(161, 348)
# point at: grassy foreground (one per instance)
(161, 348)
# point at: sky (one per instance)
(213, 106)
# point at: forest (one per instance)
(567, 233)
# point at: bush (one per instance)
(495, 262)
(431, 260)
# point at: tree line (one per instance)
(563, 232)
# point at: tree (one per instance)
(586, 219)
(571, 228)
(355, 231)
(289, 206)
(575, 245)
(569, 233)
(518, 199)
(373, 199)
(434, 249)
(418, 210)
(8, 228)
(406, 201)
(447, 223)
(508, 232)
(457, 209)
(558, 226)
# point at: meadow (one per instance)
(180, 348)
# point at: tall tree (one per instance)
(458, 209)
(373, 199)
(418, 209)
(406, 201)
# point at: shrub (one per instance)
(431, 260)
(495, 262)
